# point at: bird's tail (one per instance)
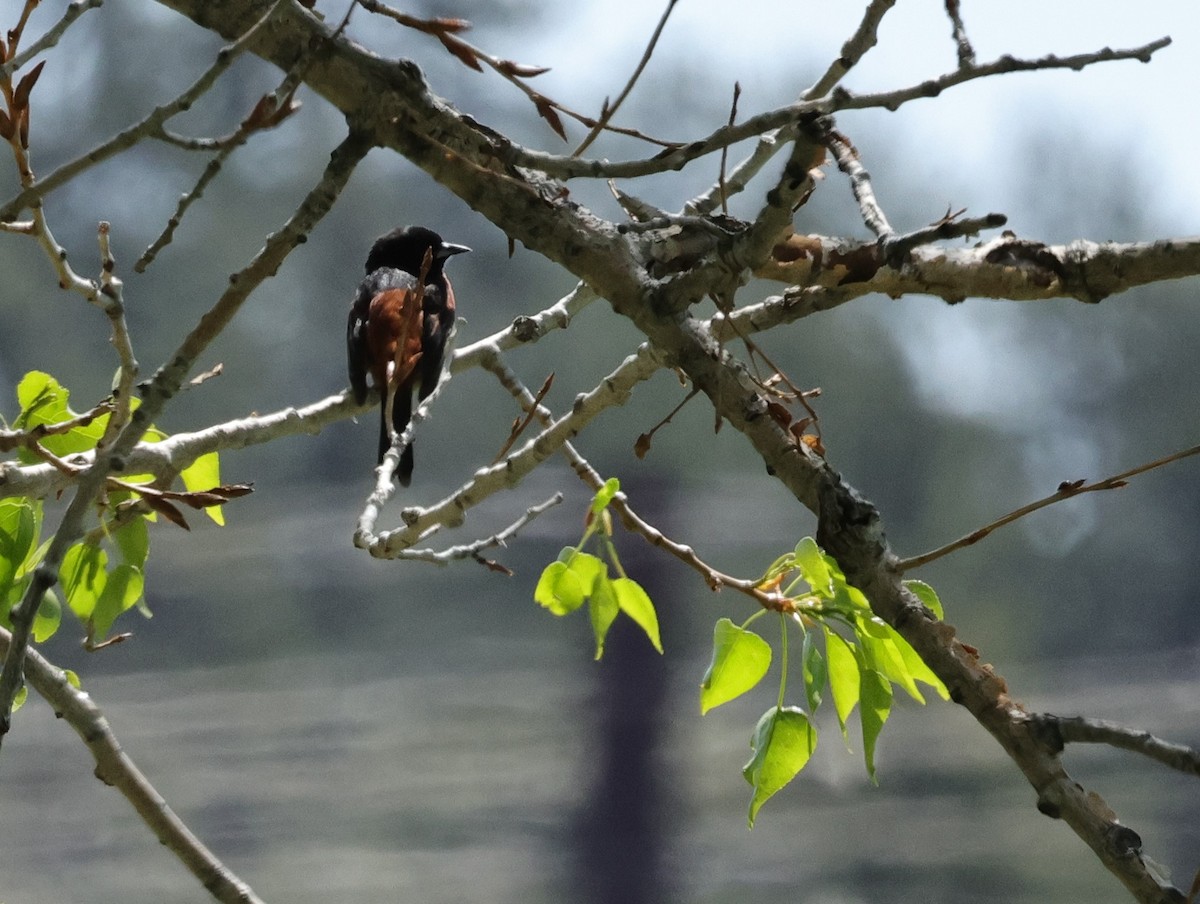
(401, 414)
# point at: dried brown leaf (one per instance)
(463, 51)
(642, 447)
(779, 414)
(7, 130)
(545, 108)
(493, 565)
(520, 70)
(166, 509)
(25, 85)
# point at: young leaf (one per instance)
(605, 495)
(844, 678)
(44, 401)
(635, 602)
(740, 659)
(18, 535)
(878, 644)
(602, 610)
(201, 474)
(48, 618)
(928, 597)
(783, 741)
(813, 567)
(815, 672)
(846, 598)
(133, 542)
(588, 569)
(918, 669)
(875, 709)
(83, 577)
(122, 589)
(558, 589)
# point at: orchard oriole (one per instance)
(399, 321)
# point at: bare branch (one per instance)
(114, 767)
(864, 38)
(1006, 268)
(966, 53)
(474, 549)
(420, 522)
(1061, 730)
(849, 163)
(1066, 490)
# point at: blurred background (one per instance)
(336, 726)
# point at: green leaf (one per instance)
(844, 678)
(815, 672)
(846, 598)
(875, 709)
(43, 401)
(588, 569)
(83, 576)
(605, 495)
(20, 698)
(783, 741)
(558, 589)
(48, 618)
(18, 536)
(918, 669)
(602, 610)
(123, 588)
(878, 640)
(635, 602)
(928, 597)
(204, 474)
(813, 567)
(133, 542)
(740, 659)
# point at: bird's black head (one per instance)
(404, 249)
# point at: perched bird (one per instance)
(399, 321)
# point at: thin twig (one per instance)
(610, 109)
(1066, 490)
(51, 37)
(445, 30)
(962, 44)
(474, 549)
(566, 167)
(150, 126)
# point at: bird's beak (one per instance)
(447, 250)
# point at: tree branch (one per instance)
(114, 767)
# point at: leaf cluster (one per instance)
(847, 653)
(103, 574)
(579, 577)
